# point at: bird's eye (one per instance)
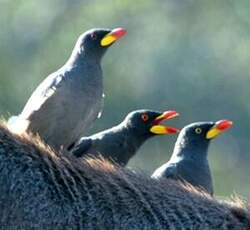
(198, 130)
(93, 36)
(144, 117)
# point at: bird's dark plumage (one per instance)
(189, 159)
(121, 142)
(69, 100)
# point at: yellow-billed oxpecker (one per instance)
(120, 143)
(189, 159)
(69, 100)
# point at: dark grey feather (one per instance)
(189, 159)
(69, 100)
(119, 143)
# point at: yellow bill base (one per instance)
(167, 116)
(158, 129)
(212, 133)
(107, 40)
(160, 117)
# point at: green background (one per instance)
(191, 56)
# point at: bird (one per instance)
(121, 142)
(68, 101)
(189, 160)
(44, 189)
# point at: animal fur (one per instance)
(42, 189)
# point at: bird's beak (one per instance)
(218, 128)
(162, 129)
(114, 35)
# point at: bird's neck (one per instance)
(190, 152)
(131, 138)
(81, 58)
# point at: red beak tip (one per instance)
(172, 130)
(224, 124)
(170, 114)
(119, 32)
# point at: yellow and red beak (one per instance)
(162, 129)
(113, 36)
(218, 128)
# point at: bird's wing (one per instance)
(82, 147)
(167, 170)
(43, 92)
(19, 124)
(102, 105)
(171, 171)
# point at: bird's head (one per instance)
(95, 42)
(147, 123)
(199, 134)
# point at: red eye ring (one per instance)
(144, 117)
(93, 36)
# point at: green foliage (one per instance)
(191, 56)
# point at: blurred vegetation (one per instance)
(191, 56)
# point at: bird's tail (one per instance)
(17, 125)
